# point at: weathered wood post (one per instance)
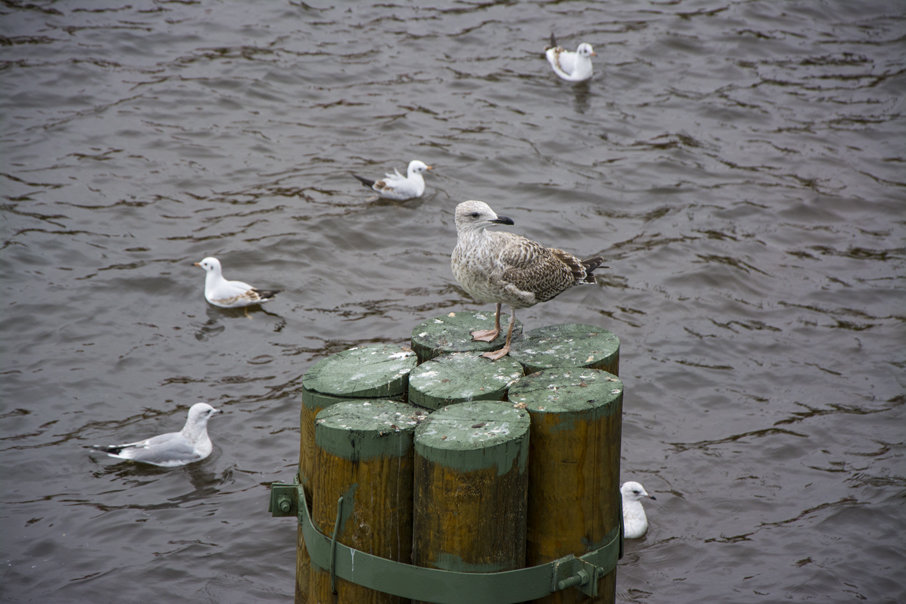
(471, 479)
(452, 333)
(568, 345)
(363, 481)
(459, 377)
(512, 499)
(363, 372)
(574, 467)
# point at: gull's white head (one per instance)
(585, 50)
(634, 491)
(474, 215)
(197, 422)
(199, 413)
(417, 167)
(210, 265)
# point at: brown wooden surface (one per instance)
(377, 517)
(574, 469)
(470, 498)
(309, 409)
(469, 520)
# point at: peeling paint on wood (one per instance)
(365, 455)
(471, 487)
(358, 430)
(574, 465)
(374, 371)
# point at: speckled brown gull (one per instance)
(506, 268)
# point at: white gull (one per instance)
(570, 66)
(398, 187)
(635, 523)
(506, 268)
(230, 294)
(190, 444)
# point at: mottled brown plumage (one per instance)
(506, 268)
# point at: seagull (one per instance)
(635, 523)
(571, 66)
(230, 294)
(398, 187)
(501, 267)
(174, 448)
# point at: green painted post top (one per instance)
(567, 345)
(360, 430)
(590, 392)
(452, 332)
(373, 371)
(475, 436)
(460, 377)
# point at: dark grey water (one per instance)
(742, 166)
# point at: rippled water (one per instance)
(740, 165)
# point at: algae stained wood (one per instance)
(309, 408)
(460, 377)
(568, 345)
(452, 333)
(364, 455)
(574, 467)
(471, 483)
(312, 404)
(373, 371)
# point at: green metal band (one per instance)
(444, 586)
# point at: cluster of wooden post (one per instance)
(451, 461)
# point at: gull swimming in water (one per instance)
(501, 267)
(230, 294)
(174, 448)
(570, 66)
(635, 523)
(398, 187)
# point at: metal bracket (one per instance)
(578, 573)
(284, 500)
(437, 585)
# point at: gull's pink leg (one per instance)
(488, 335)
(497, 354)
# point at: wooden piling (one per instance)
(373, 371)
(574, 467)
(494, 485)
(460, 377)
(470, 488)
(452, 332)
(568, 345)
(364, 455)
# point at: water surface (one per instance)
(740, 165)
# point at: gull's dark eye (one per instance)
(474, 214)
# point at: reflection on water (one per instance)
(740, 166)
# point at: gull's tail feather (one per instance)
(109, 449)
(365, 181)
(590, 265)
